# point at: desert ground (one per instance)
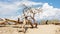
(41, 29)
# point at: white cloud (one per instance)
(49, 12)
(28, 3)
(11, 9)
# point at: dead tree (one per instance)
(26, 12)
(9, 20)
(47, 22)
(29, 10)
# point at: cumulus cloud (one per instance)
(49, 12)
(13, 7)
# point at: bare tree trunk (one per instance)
(18, 20)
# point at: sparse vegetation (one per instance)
(28, 18)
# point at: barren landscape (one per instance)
(29, 16)
(41, 29)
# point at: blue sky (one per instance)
(55, 3)
(13, 8)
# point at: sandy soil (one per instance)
(42, 29)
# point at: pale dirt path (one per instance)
(42, 29)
